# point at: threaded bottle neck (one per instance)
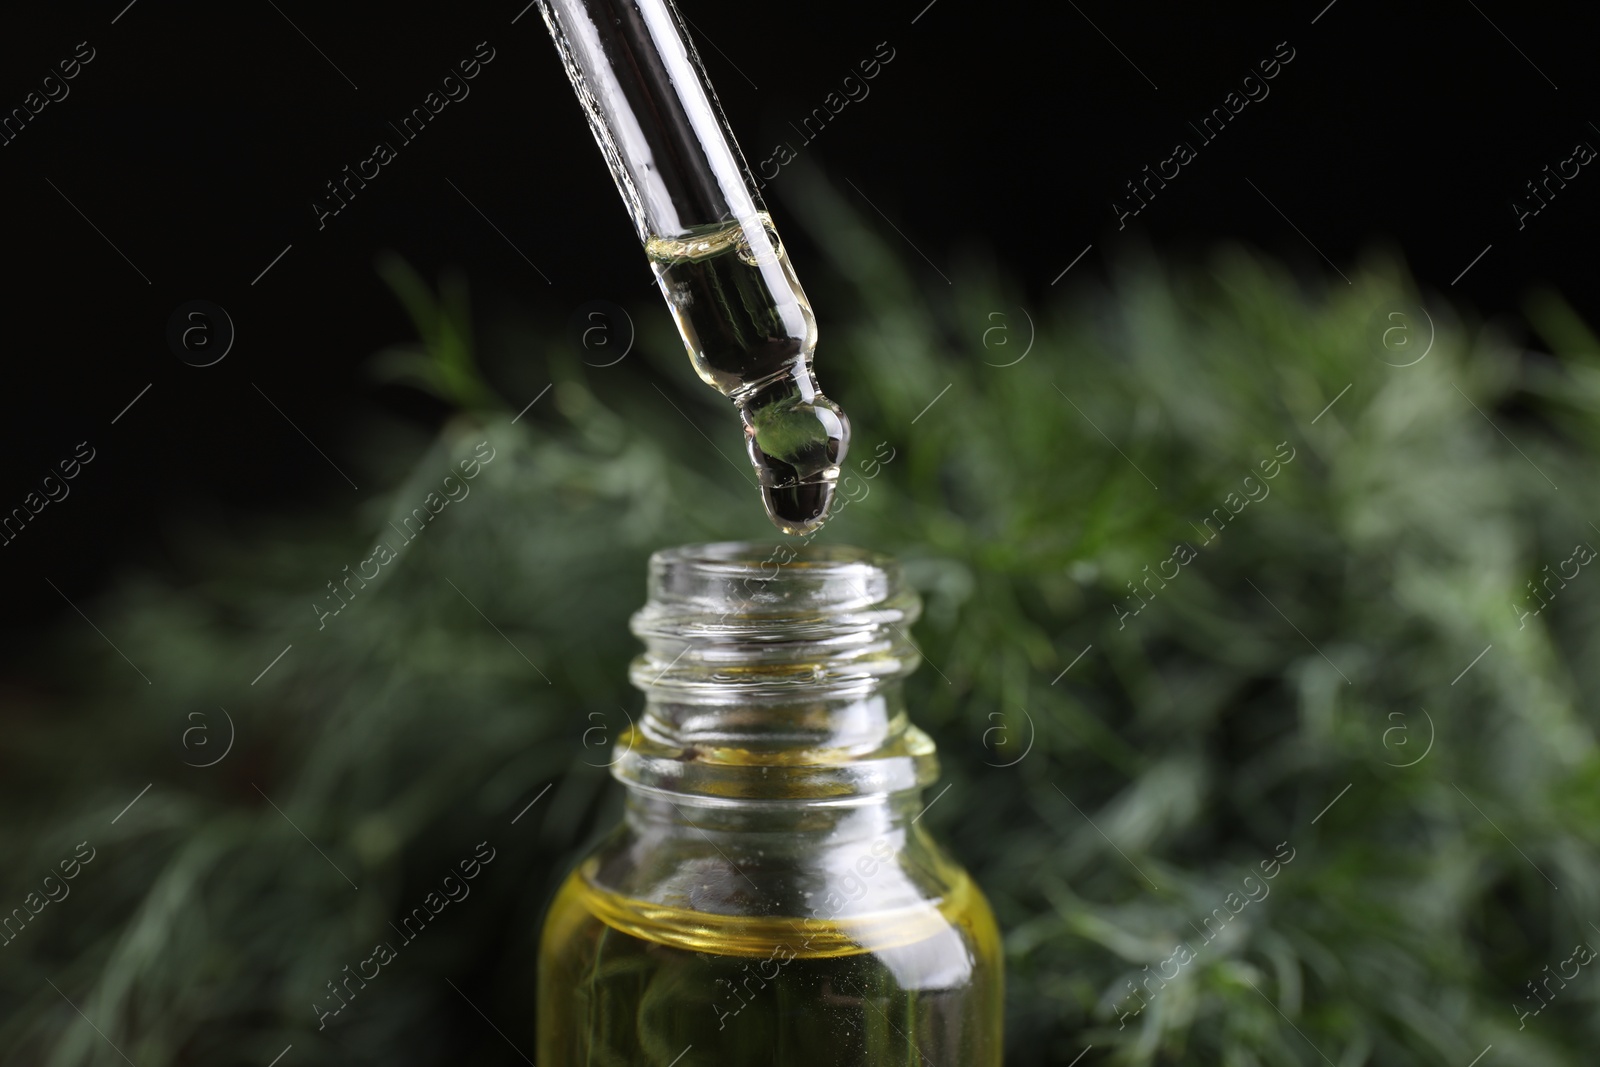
(773, 675)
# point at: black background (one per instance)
(199, 135)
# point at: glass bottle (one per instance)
(770, 897)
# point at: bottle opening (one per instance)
(748, 579)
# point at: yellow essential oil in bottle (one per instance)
(769, 897)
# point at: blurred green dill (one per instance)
(1358, 616)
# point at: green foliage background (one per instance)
(1316, 642)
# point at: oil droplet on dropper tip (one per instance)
(796, 438)
(798, 509)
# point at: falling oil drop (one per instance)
(800, 508)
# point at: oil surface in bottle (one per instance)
(750, 334)
(623, 982)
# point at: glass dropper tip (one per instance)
(797, 438)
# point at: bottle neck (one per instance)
(869, 817)
(774, 682)
(775, 857)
